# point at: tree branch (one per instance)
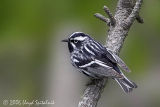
(124, 17)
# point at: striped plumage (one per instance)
(96, 61)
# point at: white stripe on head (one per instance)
(80, 38)
(74, 46)
(75, 33)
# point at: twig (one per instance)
(103, 18)
(134, 12)
(108, 12)
(116, 36)
(139, 19)
(110, 21)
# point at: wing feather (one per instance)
(118, 60)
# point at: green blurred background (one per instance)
(35, 65)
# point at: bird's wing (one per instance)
(103, 69)
(116, 59)
(93, 66)
(98, 68)
(105, 55)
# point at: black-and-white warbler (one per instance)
(96, 61)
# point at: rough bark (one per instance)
(119, 24)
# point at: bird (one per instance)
(96, 61)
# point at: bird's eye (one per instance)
(75, 41)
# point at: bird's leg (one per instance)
(92, 81)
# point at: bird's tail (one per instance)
(126, 84)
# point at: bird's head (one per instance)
(77, 40)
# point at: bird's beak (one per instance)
(65, 40)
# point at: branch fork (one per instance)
(110, 21)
